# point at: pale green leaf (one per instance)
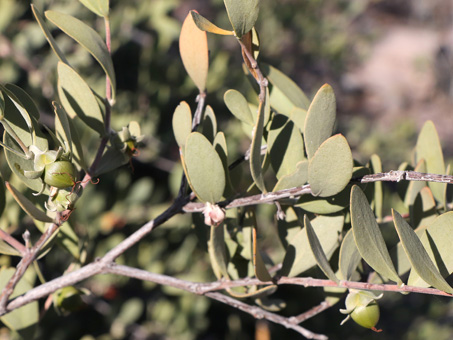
(205, 25)
(24, 318)
(428, 148)
(299, 257)
(349, 256)
(285, 145)
(111, 159)
(368, 237)
(376, 166)
(320, 120)
(48, 35)
(203, 168)
(330, 168)
(418, 256)
(77, 98)
(88, 38)
(62, 128)
(6, 249)
(209, 124)
(98, 7)
(286, 86)
(238, 106)
(217, 251)
(255, 152)
(182, 123)
(423, 211)
(318, 252)
(193, 48)
(242, 15)
(28, 206)
(221, 148)
(298, 178)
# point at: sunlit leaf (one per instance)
(298, 178)
(368, 237)
(288, 87)
(182, 123)
(418, 256)
(6, 249)
(238, 106)
(242, 15)
(285, 145)
(78, 99)
(98, 7)
(207, 26)
(204, 169)
(376, 165)
(428, 148)
(318, 252)
(28, 206)
(193, 48)
(88, 38)
(330, 168)
(423, 211)
(62, 128)
(299, 256)
(320, 120)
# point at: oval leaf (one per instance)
(238, 106)
(193, 47)
(418, 256)
(320, 120)
(217, 252)
(299, 257)
(28, 206)
(62, 128)
(349, 256)
(286, 86)
(330, 169)
(98, 7)
(207, 26)
(428, 148)
(203, 168)
(368, 237)
(242, 15)
(298, 178)
(77, 98)
(89, 39)
(182, 123)
(316, 248)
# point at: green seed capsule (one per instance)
(61, 174)
(367, 316)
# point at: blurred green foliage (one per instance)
(308, 40)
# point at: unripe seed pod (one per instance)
(366, 316)
(61, 174)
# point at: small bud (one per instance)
(213, 214)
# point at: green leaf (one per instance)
(48, 35)
(203, 168)
(298, 116)
(62, 128)
(89, 39)
(28, 206)
(209, 124)
(2, 105)
(271, 305)
(78, 100)
(24, 318)
(437, 241)
(98, 7)
(428, 148)
(182, 123)
(368, 237)
(205, 25)
(2, 195)
(23, 98)
(261, 271)
(418, 256)
(349, 256)
(299, 257)
(423, 211)
(111, 159)
(286, 86)
(285, 145)
(320, 120)
(217, 252)
(414, 187)
(376, 166)
(330, 168)
(6, 249)
(193, 48)
(238, 106)
(298, 178)
(221, 148)
(68, 239)
(77, 149)
(255, 152)
(242, 15)
(318, 252)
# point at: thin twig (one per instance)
(12, 242)
(310, 313)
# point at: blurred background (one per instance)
(390, 63)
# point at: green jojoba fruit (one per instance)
(366, 316)
(60, 174)
(68, 299)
